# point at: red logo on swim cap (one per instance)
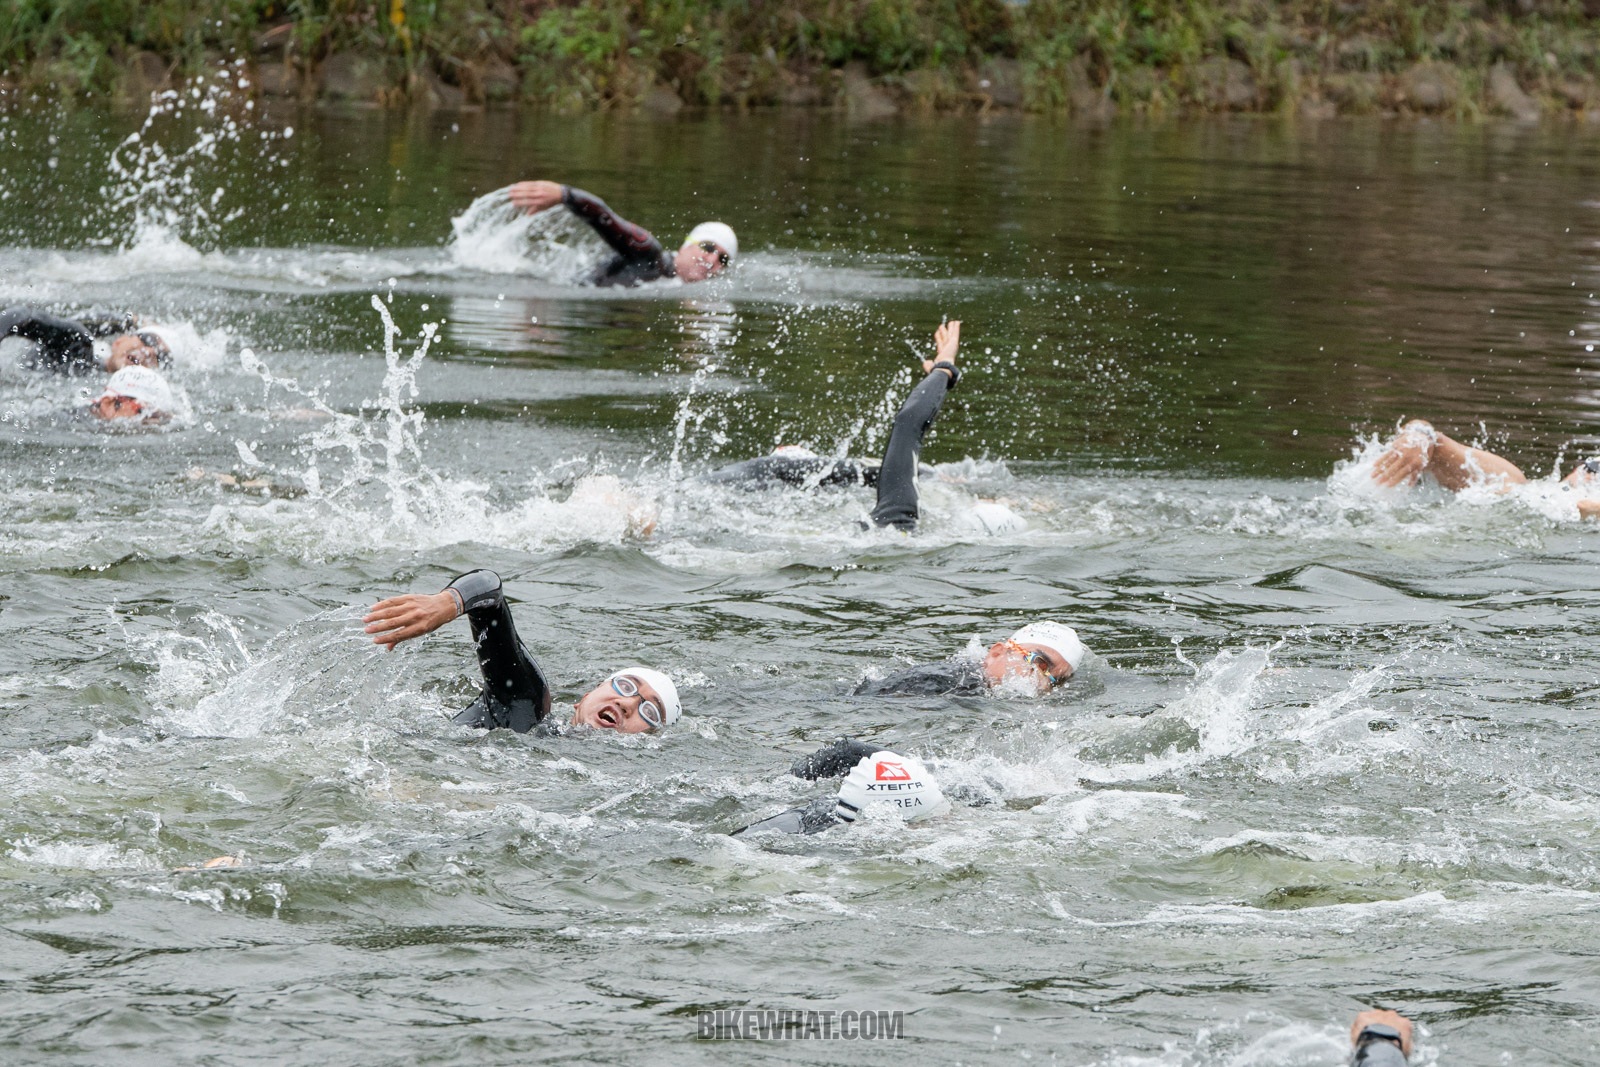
(892, 772)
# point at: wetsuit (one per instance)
(1378, 1046)
(515, 692)
(951, 677)
(639, 256)
(770, 472)
(830, 761)
(65, 346)
(895, 478)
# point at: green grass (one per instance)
(1135, 54)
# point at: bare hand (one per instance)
(946, 339)
(400, 618)
(1406, 457)
(535, 196)
(1384, 1018)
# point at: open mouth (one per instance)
(609, 718)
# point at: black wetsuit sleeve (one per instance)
(813, 818)
(897, 478)
(640, 257)
(1378, 1053)
(109, 323)
(834, 760)
(63, 345)
(515, 692)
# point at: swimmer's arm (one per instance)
(109, 323)
(625, 238)
(897, 477)
(1589, 509)
(401, 618)
(60, 340)
(833, 761)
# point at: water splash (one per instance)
(496, 237)
(176, 196)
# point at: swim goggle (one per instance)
(715, 249)
(648, 709)
(1592, 464)
(1037, 660)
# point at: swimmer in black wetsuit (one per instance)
(870, 773)
(515, 692)
(81, 346)
(1380, 1039)
(896, 477)
(1048, 652)
(706, 252)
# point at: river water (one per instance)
(1333, 747)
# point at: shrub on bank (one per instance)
(1088, 56)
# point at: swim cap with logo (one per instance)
(148, 387)
(901, 782)
(718, 233)
(1058, 637)
(671, 706)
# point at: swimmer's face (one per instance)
(130, 350)
(606, 709)
(697, 262)
(110, 407)
(1008, 659)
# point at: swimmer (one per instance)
(1380, 1039)
(1420, 449)
(870, 774)
(80, 346)
(135, 394)
(515, 692)
(708, 250)
(1046, 652)
(896, 477)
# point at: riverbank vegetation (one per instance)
(1524, 58)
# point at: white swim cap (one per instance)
(148, 387)
(671, 706)
(900, 781)
(718, 233)
(1058, 637)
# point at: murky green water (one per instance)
(1333, 749)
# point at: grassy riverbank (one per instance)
(1526, 58)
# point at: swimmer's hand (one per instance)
(1589, 509)
(946, 339)
(535, 196)
(1375, 1017)
(1405, 457)
(400, 618)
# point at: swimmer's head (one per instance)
(634, 700)
(902, 783)
(146, 348)
(1048, 651)
(707, 251)
(135, 393)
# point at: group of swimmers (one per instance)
(516, 694)
(133, 355)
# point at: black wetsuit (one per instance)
(1378, 1046)
(951, 677)
(829, 761)
(639, 256)
(895, 478)
(65, 346)
(515, 692)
